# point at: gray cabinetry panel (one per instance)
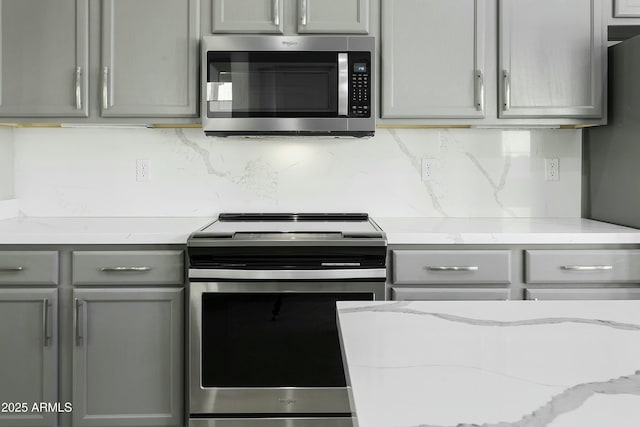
(28, 363)
(451, 267)
(333, 16)
(28, 268)
(626, 8)
(43, 58)
(248, 16)
(149, 58)
(447, 294)
(128, 268)
(582, 266)
(444, 77)
(128, 358)
(557, 72)
(583, 294)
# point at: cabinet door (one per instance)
(626, 8)
(448, 294)
(583, 294)
(149, 57)
(551, 58)
(128, 357)
(43, 58)
(333, 16)
(434, 54)
(28, 358)
(247, 16)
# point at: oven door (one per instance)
(269, 347)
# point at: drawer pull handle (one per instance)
(587, 267)
(111, 269)
(454, 268)
(45, 322)
(8, 269)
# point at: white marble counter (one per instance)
(493, 364)
(510, 231)
(160, 230)
(99, 230)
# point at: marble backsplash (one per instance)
(476, 173)
(6, 163)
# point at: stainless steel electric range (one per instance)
(263, 341)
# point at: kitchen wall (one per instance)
(490, 172)
(6, 163)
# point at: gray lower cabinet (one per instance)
(128, 357)
(583, 294)
(149, 58)
(448, 294)
(28, 356)
(44, 58)
(443, 78)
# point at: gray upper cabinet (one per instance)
(149, 58)
(128, 357)
(626, 8)
(433, 58)
(44, 58)
(28, 359)
(277, 16)
(551, 58)
(248, 16)
(333, 16)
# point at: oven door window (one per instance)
(272, 339)
(272, 84)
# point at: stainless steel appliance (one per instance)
(279, 85)
(263, 341)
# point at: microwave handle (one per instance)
(343, 84)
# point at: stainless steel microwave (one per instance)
(279, 85)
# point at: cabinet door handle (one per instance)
(45, 322)
(78, 88)
(587, 267)
(506, 90)
(77, 320)
(113, 269)
(105, 88)
(276, 12)
(479, 94)
(304, 13)
(453, 268)
(8, 269)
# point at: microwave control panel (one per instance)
(360, 84)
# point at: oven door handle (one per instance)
(329, 274)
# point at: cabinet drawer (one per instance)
(128, 267)
(434, 294)
(28, 268)
(582, 294)
(451, 267)
(582, 266)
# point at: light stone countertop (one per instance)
(509, 231)
(493, 364)
(175, 230)
(73, 230)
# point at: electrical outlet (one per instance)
(143, 170)
(430, 169)
(552, 169)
